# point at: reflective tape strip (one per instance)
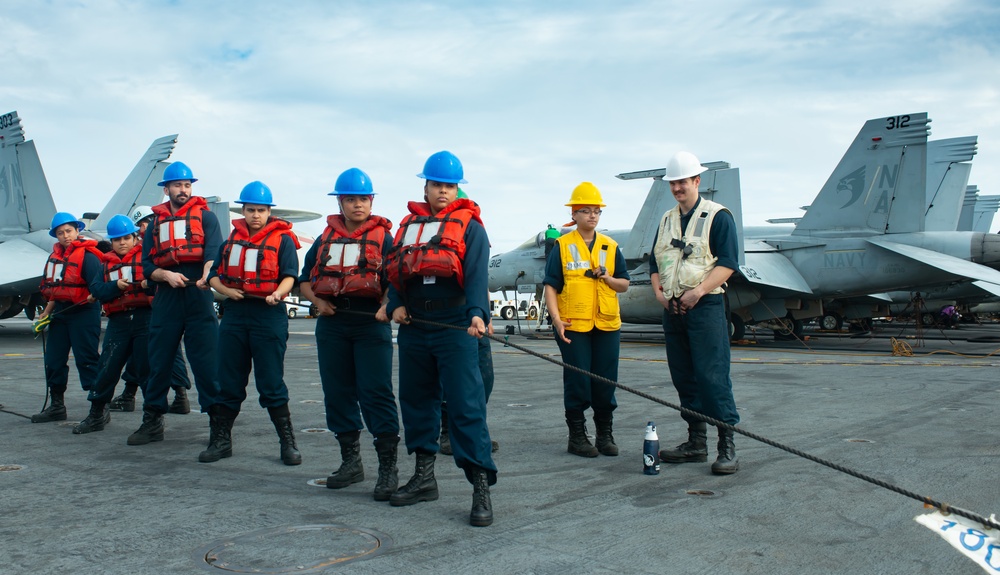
(250, 261)
(234, 256)
(352, 252)
(180, 228)
(412, 235)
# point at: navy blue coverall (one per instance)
(595, 351)
(78, 328)
(355, 362)
(254, 332)
(178, 377)
(126, 339)
(438, 363)
(186, 312)
(698, 342)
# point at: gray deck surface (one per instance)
(92, 504)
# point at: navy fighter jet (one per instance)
(863, 235)
(26, 210)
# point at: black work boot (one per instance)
(605, 442)
(445, 440)
(56, 411)
(282, 421)
(482, 507)
(578, 442)
(150, 430)
(125, 401)
(180, 404)
(727, 462)
(693, 450)
(388, 474)
(220, 436)
(98, 417)
(351, 470)
(421, 487)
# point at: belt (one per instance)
(355, 303)
(435, 304)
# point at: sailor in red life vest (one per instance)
(257, 268)
(343, 270)
(73, 267)
(180, 382)
(438, 273)
(177, 252)
(127, 304)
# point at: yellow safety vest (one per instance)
(678, 273)
(588, 302)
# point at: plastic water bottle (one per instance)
(651, 451)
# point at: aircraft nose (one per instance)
(986, 250)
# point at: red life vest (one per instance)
(128, 268)
(63, 279)
(350, 264)
(178, 237)
(251, 263)
(431, 245)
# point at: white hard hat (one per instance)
(683, 165)
(140, 213)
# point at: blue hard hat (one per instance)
(177, 171)
(120, 226)
(443, 167)
(353, 182)
(64, 218)
(256, 193)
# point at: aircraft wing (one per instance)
(773, 270)
(24, 277)
(950, 264)
(140, 187)
(988, 287)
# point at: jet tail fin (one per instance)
(983, 212)
(947, 177)
(967, 216)
(879, 186)
(26, 203)
(721, 183)
(140, 187)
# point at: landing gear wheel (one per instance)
(787, 329)
(737, 327)
(831, 322)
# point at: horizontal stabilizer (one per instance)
(950, 264)
(140, 187)
(774, 270)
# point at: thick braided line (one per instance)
(943, 507)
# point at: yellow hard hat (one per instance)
(586, 194)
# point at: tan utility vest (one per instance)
(678, 273)
(588, 302)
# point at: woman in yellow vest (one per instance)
(584, 274)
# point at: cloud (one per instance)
(534, 97)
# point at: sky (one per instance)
(533, 97)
